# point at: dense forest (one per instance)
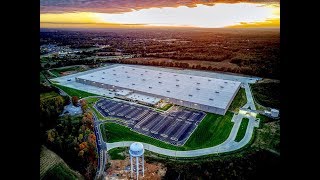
(71, 137)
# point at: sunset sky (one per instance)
(151, 13)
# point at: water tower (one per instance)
(136, 154)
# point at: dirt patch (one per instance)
(120, 169)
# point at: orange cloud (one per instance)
(120, 6)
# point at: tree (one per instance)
(75, 100)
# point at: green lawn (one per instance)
(242, 129)
(117, 153)
(92, 100)
(166, 107)
(213, 130)
(74, 92)
(55, 73)
(238, 101)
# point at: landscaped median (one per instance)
(242, 130)
(74, 92)
(213, 130)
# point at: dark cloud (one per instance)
(118, 6)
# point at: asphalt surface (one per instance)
(173, 127)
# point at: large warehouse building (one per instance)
(202, 93)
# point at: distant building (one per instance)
(274, 112)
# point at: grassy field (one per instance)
(53, 167)
(74, 92)
(213, 130)
(267, 93)
(117, 153)
(238, 101)
(166, 107)
(242, 129)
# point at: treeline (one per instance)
(74, 140)
(267, 94)
(257, 164)
(251, 70)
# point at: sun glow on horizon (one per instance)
(219, 15)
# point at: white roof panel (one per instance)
(180, 86)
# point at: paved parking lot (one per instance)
(174, 127)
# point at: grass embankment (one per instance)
(213, 130)
(53, 167)
(267, 93)
(166, 107)
(238, 101)
(74, 92)
(242, 130)
(118, 153)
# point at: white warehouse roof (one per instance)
(195, 89)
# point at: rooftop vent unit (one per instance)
(177, 79)
(168, 91)
(117, 81)
(190, 77)
(221, 87)
(160, 73)
(126, 71)
(91, 76)
(198, 83)
(102, 78)
(177, 85)
(217, 92)
(113, 70)
(143, 79)
(190, 95)
(226, 82)
(175, 75)
(159, 77)
(209, 79)
(133, 69)
(210, 99)
(145, 71)
(133, 84)
(198, 88)
(150, 87)
(114, 74)
(128, 76)
(160, 82)
(103, 72)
